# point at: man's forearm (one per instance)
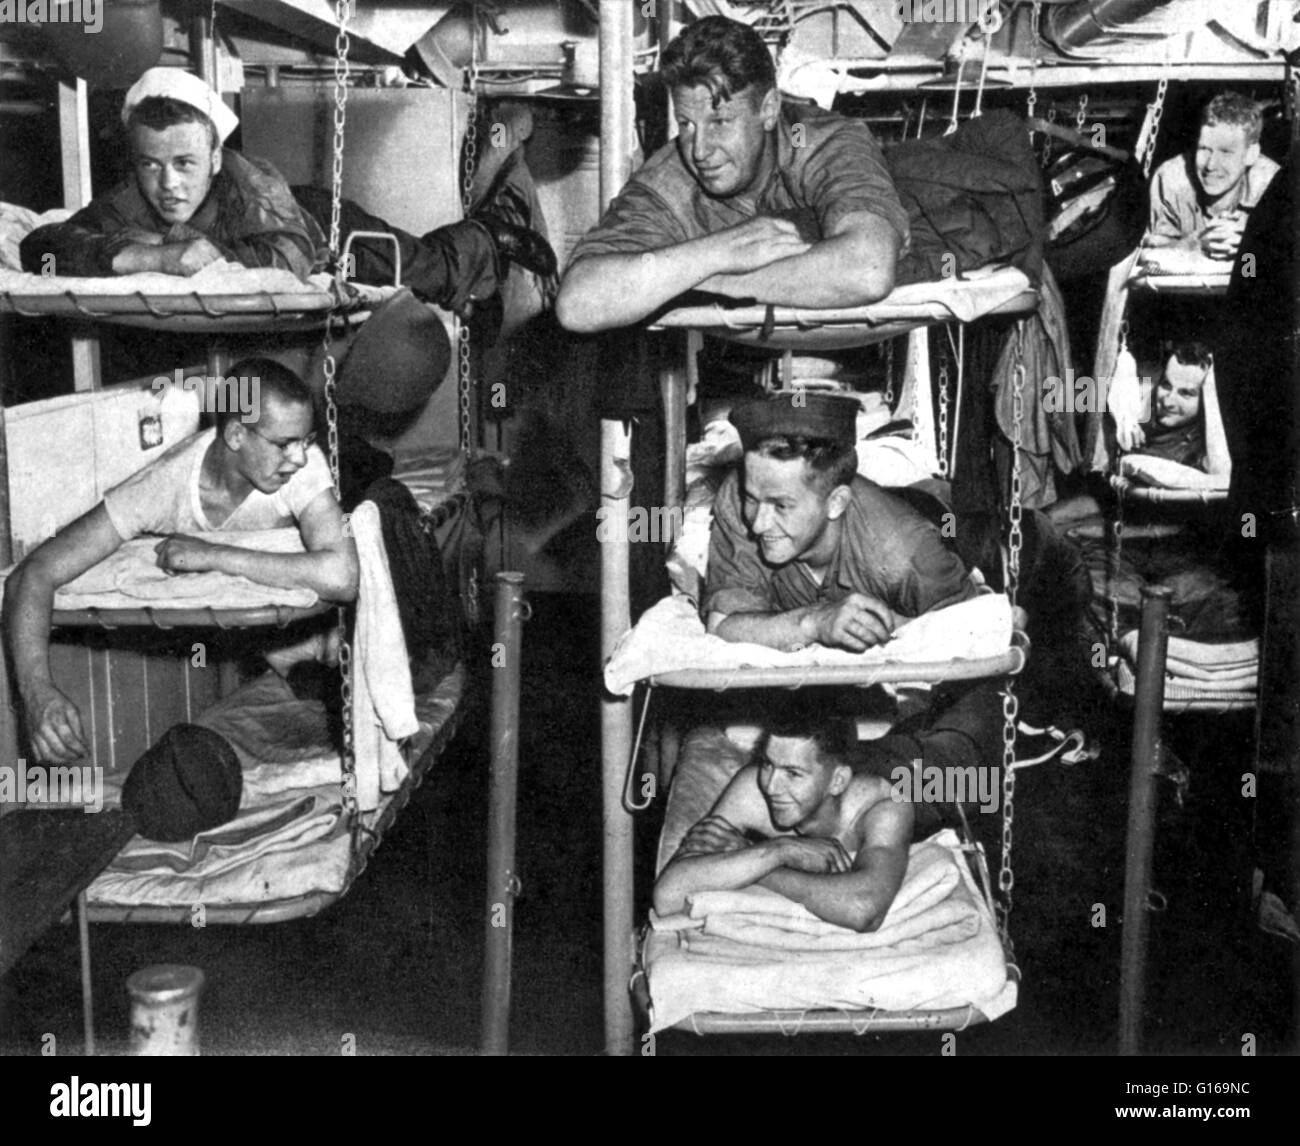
(713, 872)
(839, 898)
(603, 292)
(785, 631)
(330, 573)
(817, 280)
(28, 603)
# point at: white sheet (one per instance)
(219, 278)
(670, 636)
(131, 579)
(754, 950)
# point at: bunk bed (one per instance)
(311, 817)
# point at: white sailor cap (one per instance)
(178, 84)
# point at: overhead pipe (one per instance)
(1070, 27)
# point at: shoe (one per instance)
(519, 245)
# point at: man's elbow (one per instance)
(864, 917)
(877, 282)
(343, 580)
(575, 309)
(668, 900)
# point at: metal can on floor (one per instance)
(165, 1010)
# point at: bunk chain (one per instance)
(342, 45)
(1081, 115)
(1015, 536)
(889, 374)
(1031, 100)
(1157, 113)
(943, 410)
(464, 358)
(1010, 702)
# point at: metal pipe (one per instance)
(1149, 701)
(672, 390)
(502, 883)
(1293, 79)
(1071, 26)
(616, 144)
(87, 991)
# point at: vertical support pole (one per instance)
(503, 885)
(617, 142)
(1149, 702)
(672, 390)
(1291, 559)
(74, 144)
(87, 992)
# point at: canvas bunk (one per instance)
(273, 302)
(1020, 54)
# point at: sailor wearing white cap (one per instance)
(191, 201)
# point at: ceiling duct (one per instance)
(1072, 26)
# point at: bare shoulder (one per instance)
(878, 819)
(742, 803)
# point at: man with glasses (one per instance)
(263, 473)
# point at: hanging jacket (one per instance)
(972, 198)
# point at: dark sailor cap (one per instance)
(798, 414)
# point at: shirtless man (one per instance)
(800, 821)
(253, 475)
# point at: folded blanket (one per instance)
(671, 636)
(753, 950)
(131, 578)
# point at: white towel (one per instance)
(383, 702)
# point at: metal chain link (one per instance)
(1031, 100)
(1081, 115)
(1157, 113)
(889, 374)
(342, 70)
(1010, 702)
(1015, 537)
(943, 410)
(464, 355)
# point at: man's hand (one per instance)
(54, 724)
(753, 244)
(180, 553)
(188, 258)
(813, 855)
(856, 623)
(1222, 237)
(1129, 435)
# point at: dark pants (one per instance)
(450, 266)
(958, 744)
